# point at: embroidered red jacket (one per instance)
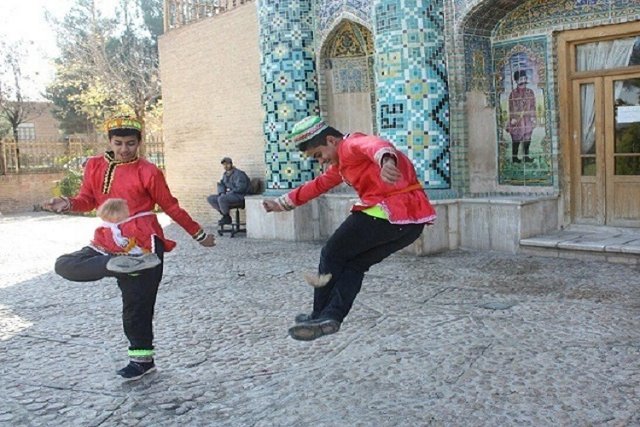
(141, 184)
(359, 164)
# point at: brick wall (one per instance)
(211, 91)
(47, 127)
(20, 192)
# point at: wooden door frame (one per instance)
(566, 42)
(596, 182)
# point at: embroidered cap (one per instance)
(226, 160)
(123, 122)
(306, 129)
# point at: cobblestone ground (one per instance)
(460, 338)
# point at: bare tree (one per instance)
(15, 106)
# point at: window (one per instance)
(608, 54)
(26, 132)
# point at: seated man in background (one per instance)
(232, 188)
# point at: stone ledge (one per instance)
(584, 255)
(489, 223)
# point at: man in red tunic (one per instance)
(391, 214)
(522, 116)
(120, 173)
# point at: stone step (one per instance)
(611, 244)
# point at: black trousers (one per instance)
(516, 145)
(360, 242)
(138, 291)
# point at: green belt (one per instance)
(376, 212)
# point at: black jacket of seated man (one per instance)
(231, 189)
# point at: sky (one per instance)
(25, 20)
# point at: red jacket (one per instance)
(359, 164)
(141, 184)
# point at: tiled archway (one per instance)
(346, 78)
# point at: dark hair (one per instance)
(125, 132)
(518, 74)
(319, 139)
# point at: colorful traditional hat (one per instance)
(123, 122)
(306, 129)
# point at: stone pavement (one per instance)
(456, 339)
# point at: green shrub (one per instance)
(69, 185)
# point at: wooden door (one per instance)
(606, 150)
(622, 149)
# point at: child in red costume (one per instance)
(120, 173)
(119, 235)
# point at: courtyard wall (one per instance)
(20, 192)
(211, 89)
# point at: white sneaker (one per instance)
(131, 264)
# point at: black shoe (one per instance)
(528, 159)
(136, 370)
(303, 318)
(516, 160)
(313, 329)
(226, 219)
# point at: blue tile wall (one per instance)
(411, 80)
(327, 11)
(289, 91)
(412, 92)
(538, 14)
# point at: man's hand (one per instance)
(389, 171)
(271, 205)
(57, 204)
(208, 241)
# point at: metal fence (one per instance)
(41, 156)
(178, 13)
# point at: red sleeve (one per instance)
(85, 200)
(317, 186)
(160, 193)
